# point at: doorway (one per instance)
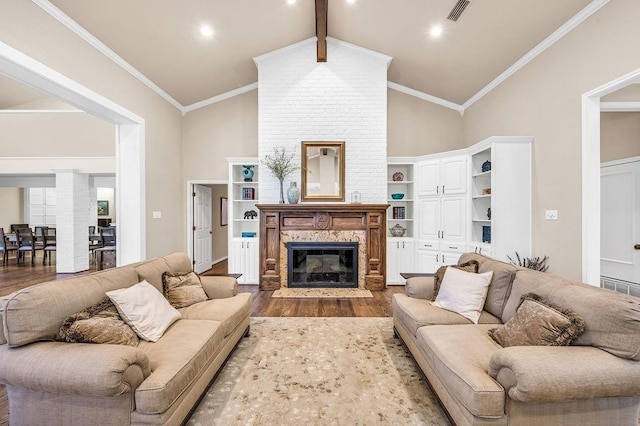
(206, 223)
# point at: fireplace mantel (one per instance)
(276, 218)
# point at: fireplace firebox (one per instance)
(322, 264)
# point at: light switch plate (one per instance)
(157, 215)
(551, 214)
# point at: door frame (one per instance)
(129, 140)
(189, 202)
(591, 109)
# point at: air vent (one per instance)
(458, 10)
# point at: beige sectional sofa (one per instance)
(53, 382)
(594, 381)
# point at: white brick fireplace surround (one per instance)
(343, 99)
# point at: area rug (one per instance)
(319, 371)
(333, 293)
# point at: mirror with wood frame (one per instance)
(322, 171)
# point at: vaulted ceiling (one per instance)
(161, 38)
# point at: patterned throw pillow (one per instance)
(470, 266)
(99, 323)
(539, 323)
(183, 290)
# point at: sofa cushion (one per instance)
(179, 263)
(145, 310)
(539, 323)
(177, 359)
(612, 320)
(463, 292)
(500, 287)
(228, 311)
(414, 313)
(37, 312)
(182, 290)
(99, 323)
(151, 271)
(459, 355)
(2, 302)
(470, 266)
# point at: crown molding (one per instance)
(425, 96)
(72, 25)
(572, 23)
(40, 111)
(221, 97)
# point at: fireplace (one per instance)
(322, 264)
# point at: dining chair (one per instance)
(49, 245)
(39, 234)
(108, 235)
(16, 226)
(5, 247)
(26, 243)
(92, 229)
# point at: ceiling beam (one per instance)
(322, 7)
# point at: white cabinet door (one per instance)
(449, 258)
(400, 258)
(236, 259)
(429, 218)
(453, 175)
(453, 219)
(427, 261)
(251, 265)
(429, 178)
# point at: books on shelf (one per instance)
(399, 213)
(248, 193)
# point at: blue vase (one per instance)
(247, 173)
(293, 193)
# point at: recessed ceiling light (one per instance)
(291, 1)
(436, 31)
(351, 1)
(206, 31)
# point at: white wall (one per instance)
(344, 99)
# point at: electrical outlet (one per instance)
(551, 214)
(157, 215)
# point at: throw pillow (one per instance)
(470, 266)
(183, 290)
(99, 323)
(143, 307)
(463, 292)
(538, 322)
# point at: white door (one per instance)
(237, 259)
(429, 177)
(620, 222)
(453, 219)
(251, 266)
(202, 231)
(427, 261)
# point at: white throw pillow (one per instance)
(463, 292)
(145, 309)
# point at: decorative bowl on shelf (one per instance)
(397, 196)
(398, 177)
(397, 230)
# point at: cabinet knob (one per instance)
(636, 247)
(453, 248)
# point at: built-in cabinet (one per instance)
(500, 209)
(478, 200)
(243, 219)
(401, 212)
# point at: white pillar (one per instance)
(72, 221)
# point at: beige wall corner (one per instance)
(543, 100)
(418, 127)
(619, 135)
(12, 211)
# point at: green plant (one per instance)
(281, 165)
(534, 263)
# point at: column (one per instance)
(72, 221)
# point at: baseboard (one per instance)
(222, 259)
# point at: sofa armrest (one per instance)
(559, 373)
(74, 368)
(419, 287)
(219, 287)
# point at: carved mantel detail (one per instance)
(275, 218)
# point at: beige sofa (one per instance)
(595, 381)
(57, 383)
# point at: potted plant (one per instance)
(281, 165)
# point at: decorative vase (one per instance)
(293, 193)
(247, 173)
(486, 166)
(281, 192)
